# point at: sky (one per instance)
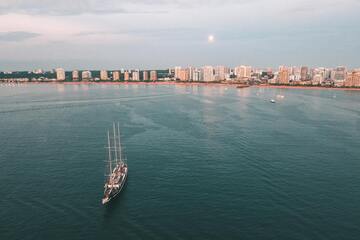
(157, 34)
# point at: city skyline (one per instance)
(155, 34)
(168, 67)
(339, 76)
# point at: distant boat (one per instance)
(272, 101)
(118, 169)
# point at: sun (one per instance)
(211, 38)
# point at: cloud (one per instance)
(64, 7)
(142, 31)
(77, 7)
(186, 34)
(17, 36)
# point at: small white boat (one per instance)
(272, 101)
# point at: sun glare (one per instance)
(211, 38)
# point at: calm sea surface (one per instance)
(204, 162)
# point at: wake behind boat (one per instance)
(117, 168)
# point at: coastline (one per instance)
(308, 87)
(135, 83)
(154, 83)
(198, 84)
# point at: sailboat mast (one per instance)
(116, 157)
(109, 153)
(120, 153)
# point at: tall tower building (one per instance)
(86, 75)
(282, 67)
(221, 72)
(284, 76)
(317, 79)
(198, 75)
(243, 71)
(340, 74)
(75, 75)
(60, 74)
(304, 71)
(353, 79)
(104, 75)
(126, 76)
(208, 72)
(327, 74)
(116, 75)
(191, 73)
(145, 76)
(177, 72)
(136, 75)
(184, 75)
(153, 76)
(319, 75)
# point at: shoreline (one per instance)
(197, 84)
(308, 87)
(153, 83)
(133, 83)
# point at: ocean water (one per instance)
(205, 162)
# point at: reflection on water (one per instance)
(75, 87)
(60, 88)
(84, 87)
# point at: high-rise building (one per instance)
(177, 72)
(136, 75)
(353, 79)
(191, 73)
(327, 74)
(75, 75)
(318, 75)
(184, 74)
(198, 75)
(339, 74)
(145, 76)
(208, 74)
(237, 71)
(60, 74)
(304, 71)
(104, 75)
(296, 74)
(311, 73)
(282, 67)
(247, 71)
(86, 75)
(126, 76)
(317, 79)
(221, 72)
(116, 75)
(284, 76)
(153, 76)
(243, 72)
(292, 70)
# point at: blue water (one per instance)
(204, 162)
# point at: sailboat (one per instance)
(117, 167)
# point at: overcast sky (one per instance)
(113, 34)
